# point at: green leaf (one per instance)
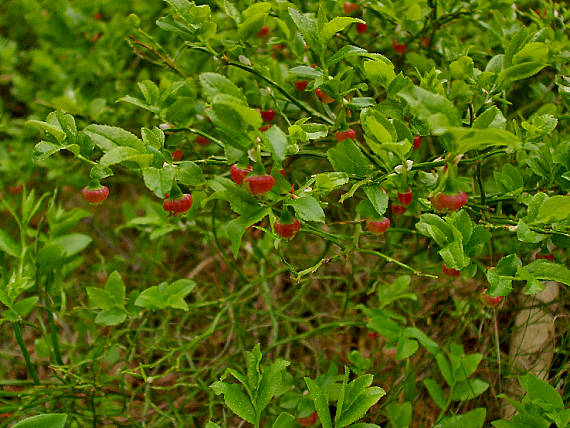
(52, 129)
(406, 347)
(176, 292)
(153, 137)
(50, 257)
(413, 332)
(257, 8)
(25, 306)
(150, 91)
(139, 103)
(518, 72)
(151, 298)
(9, 244)
(509, 179)
(427, 105)
(499, 286)
(270, 383)
(532, 52)
(335, 25)
(53, 420)
(116, 288)
(467, 366)
(196, 20)
(159, 180)
(377, 197)
(326, 182)
(435, 227)
(73, 243)
(111, 316)
(251, 26)
(306, 71)
(376, 130)
(284, 420)
(453, 256)
(307, 208)
(347, 157)
(236, 227)
(43, 150)
(515, 45)
(436, 393)
(99, 172)
(546, 270)
(346, 51)
(235, 115)
(540, 391)
(100, 298)
(468, 389)
(473, 419)
(109, 137)
(253, 361)
(462, 68)
(556, 208)
(360, 406)
(490, 118)
(399, 415)
(241, 201)
(236, 400)
(365, 425)
(468, 139)
(189, 174)
(214, 84)
(524, 234)
(278, 141)
(361, 102)
(355, 388)
(508, 265)
(308, 28)
(444, 368)
(212, 425)
(123, 154)
(321, 403)
(379, 72)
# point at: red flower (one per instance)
(264, 32)
(287, 230)
(361, 27)
(177, 155)
(309, 420)
(491, 300)
(417, 142)
(398, 209)
(203, 141)
(95, 196)
(400, 48)
(238, 174)
(323, 96)
(301, 85)
(343, 135)
(177, 206)
(259, 184)
(14, 190)
(406, 197)
(267, 115)
(350, 7)
(378, 227)
(443, 201)
(449, 271)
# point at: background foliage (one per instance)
(120, 314)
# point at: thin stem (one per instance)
(286, 94)
(17, 326)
